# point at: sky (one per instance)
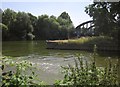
(74, 9)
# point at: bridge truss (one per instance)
(85, 29)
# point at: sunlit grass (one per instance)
(91, 40)
(88, 40)
(102, 43)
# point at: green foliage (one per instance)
(103, 43)
(66, 23)
(106, 17)
(8, 17)
(25, 26)
(4, 29)
(19, 75)
(52, 27)
(66, 16)
(19, 24)
(84, 74)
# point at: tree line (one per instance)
(25, 26)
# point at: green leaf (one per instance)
(33, 73)
(2, 67)
(30, 77)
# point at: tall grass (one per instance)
(92, 40)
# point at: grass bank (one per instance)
(85, 43)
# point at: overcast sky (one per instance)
(74, 9)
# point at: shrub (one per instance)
(19, 75)
(88, 74)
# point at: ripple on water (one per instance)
(51, 64)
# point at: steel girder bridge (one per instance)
(85, 29)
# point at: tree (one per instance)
(1, 15)
(33, 20)
(53, 28)
(66, 23)
(106, 17)
(47, 27)
(41, 27)
(4, 29)
(22, 27)
(8, 17)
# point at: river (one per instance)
(49, 61)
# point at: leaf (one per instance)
(4, 73)
(33, 73)
(30, 77)
(2, 67)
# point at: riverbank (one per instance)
(84, 43)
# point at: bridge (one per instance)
(85, 29)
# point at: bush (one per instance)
(89, 74)
(18, 75)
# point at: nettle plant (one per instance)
(84, 73)
(21, 73)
